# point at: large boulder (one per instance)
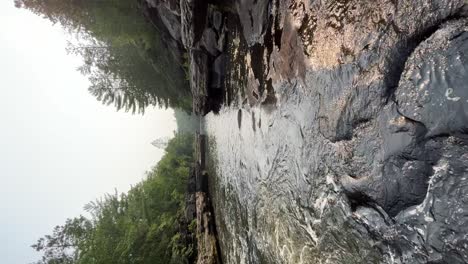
(433, 89)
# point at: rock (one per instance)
(424, 109)
(217, 20)
(193, 13)
(221, 44)
(199, 80)
(213, 39)
(218, 72)
(253, 15)
(172, 5)
(166, 15)
(441, 218)
(433, 90)
(209, 42)
(207, 244)
(171, 21)
(206, 234)
(190, 203)
(152, 3)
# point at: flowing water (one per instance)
(275, 200)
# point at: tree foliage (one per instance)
(125, 58)
(140, 227)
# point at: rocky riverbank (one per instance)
(199, 210)
(195, 30)
(207, 240)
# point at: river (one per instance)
(276, 200)
(343, 157)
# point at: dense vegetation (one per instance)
(140, 227)
(126, 60)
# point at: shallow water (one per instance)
(274, 198)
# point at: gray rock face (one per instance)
(209, 41)
(218, 72)
(171, 21)
(363, 155)
(426, 109)
(194, 13)
(199, 74)
(253, 15)
(433, 90)
(168, 16)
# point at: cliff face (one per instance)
(365, 108)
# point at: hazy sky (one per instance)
(59, 147)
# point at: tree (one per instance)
(124, 57)
(140, 227)
(66, 242)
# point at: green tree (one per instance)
(63, 246)
(124, 56)
(141, 227)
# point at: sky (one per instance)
(59, 147)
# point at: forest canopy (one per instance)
(144, 226)
(125, 58)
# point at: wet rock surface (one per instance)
(343, 133)
(433, 88)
